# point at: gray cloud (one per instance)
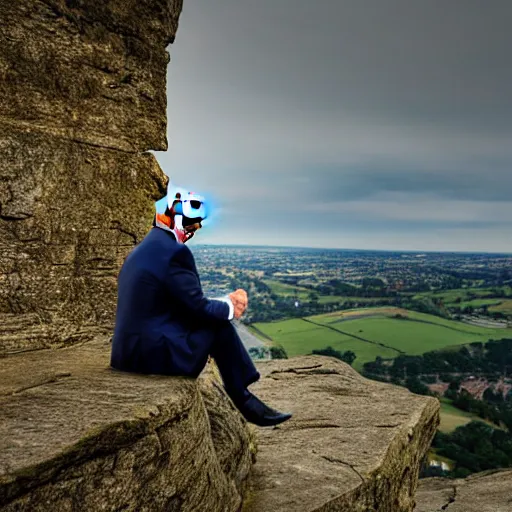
(286, 106)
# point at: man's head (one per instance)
(189, 212)
(183, 213)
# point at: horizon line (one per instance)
(414, 251)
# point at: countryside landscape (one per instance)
(436, 323)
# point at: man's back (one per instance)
(146, 311)
(160, 302)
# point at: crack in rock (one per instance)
(48, 380)
(296, 370)
(451, 499)
(311, 426)
(339, 461)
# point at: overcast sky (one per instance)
(372, 124)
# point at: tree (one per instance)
(347, 357)
(278, 352)
(414, 385)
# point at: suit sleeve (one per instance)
(184, 286)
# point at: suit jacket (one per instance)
(162, 315)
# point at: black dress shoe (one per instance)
(255, 411)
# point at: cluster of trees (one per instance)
(274, 307)
(267, 306)
(431, 306)
(273, 352)
(490, 360)
(348, 356)
(457, 311)
(475, 447)
(369, 287)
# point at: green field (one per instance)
(464, 294)
(290, 290)
(475, 303)
(451, 417)
(287, 290)
(504, 307)
(375, 332)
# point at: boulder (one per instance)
(490, 491)
(352, 445)
(77, 435)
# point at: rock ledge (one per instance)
(76, 435)
(489, 491)
(352, 445)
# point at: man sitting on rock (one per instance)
(164, 323)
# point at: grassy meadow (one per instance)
(475, 297)
(287, 290)
(386, 332)
(451, 417)
(373, 332)
(504, 306)
(302, 294)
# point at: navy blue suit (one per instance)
(164, 323)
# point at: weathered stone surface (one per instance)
(76, 435)
(82, 95)
(490, 491)
(88, 71)
(69, 216)
(352, 444)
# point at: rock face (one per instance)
(82, 98)
(352, 444)
(490, 491)
(76, 435)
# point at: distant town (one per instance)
(281, 281)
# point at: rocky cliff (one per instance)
(77, 435)
(82, 100)
(353, 445)
(490, 491)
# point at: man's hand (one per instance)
(240, 301)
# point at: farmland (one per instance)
(303, 294)
(451, 417)
(503, 307)
(385, 332)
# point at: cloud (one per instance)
(374, 111)
(419, 208)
